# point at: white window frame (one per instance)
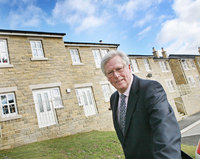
(191, 81)
(192, 64)
(198, 79)
(4, 52)
(170, 85)
(163, 66)
(37, 49)
(106, 91)
(98, 55)
(55, 96)
(134, 66)
(185, 64)
(85, 98)
(74, 52)
(14, 105)
(147, 65)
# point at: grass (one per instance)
(90, 145)
(190, 150)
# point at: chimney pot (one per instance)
(164, 54)
(155, 53)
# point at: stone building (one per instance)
(50, 88)
(185, 71)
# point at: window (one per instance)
(198, 63)
(37, 50)
(191, 81)
(198, 79)
(98, 55)
(185, 64)
(170, 85)
(147, 65)
(8, 105)
(134, 65)
(46, 100)
(75, 56)
(106, 92)
(192, 63)
(3, 52)
(86, 99)
(163, 66)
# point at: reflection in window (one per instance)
(8, 105)
(3, 52)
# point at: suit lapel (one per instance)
(133, 97)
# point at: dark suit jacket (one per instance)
(151, 129)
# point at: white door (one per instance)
(44, 109)
(87, 101)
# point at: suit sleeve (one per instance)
(165, 129)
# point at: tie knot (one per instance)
(123, 96)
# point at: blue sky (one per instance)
(137, 25)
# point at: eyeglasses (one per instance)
(117, 70)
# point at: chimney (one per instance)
(155, 53)
(164, 54)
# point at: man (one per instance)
(149, 129)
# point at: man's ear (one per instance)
(129, 66)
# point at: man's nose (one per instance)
(116, 74)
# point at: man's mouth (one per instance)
(118, 81)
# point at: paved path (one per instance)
(190, 129)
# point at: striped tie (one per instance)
(122, 112)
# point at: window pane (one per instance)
(79, 97)
(3, 99)
(89, 97)
(104, 52)
(12, 108)
(40, 53)
(106, 92)
(40, 103)
(57, 102)
(97, 58)
(134, 65)
(147, 65)
(37, 50)
(75, 55)
(5, 109)
(10, 98)
(46, 99)
(85, 98)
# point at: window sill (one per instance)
(10, 118)
(59, 107)
(39, 59)
(77, 64)
(6, 66)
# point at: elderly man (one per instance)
(143, 119)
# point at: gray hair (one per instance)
(112, 54)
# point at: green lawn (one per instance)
(91, 145)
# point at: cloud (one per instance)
(144, 32)
(26, 15)
(130, 8)
(89, 22)
(181, 34)
(80, 14)
(143, 21)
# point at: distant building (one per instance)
(50, 88)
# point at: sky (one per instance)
(137, 25)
